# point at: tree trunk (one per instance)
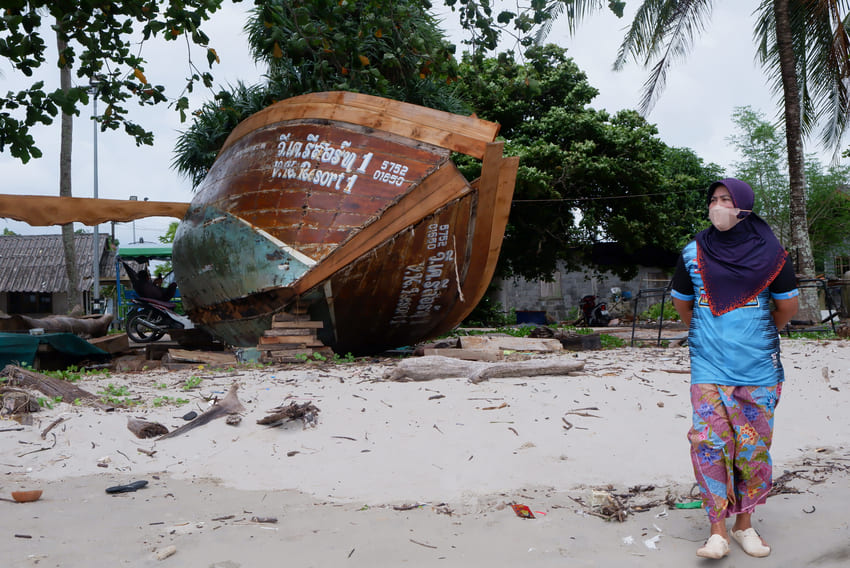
(49, 386)
(75, 300)
(801, 252)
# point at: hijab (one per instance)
(736, 265)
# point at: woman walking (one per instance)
(722, 289)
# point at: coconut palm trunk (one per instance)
(801, 254)
(75, 300)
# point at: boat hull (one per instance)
(346, 207)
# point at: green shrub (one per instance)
(654, 311)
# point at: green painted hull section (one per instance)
(220, 259)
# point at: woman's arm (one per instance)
(785, 310)
(686, 310)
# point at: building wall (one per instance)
(560, 298)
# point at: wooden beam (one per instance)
(42, 210)
(435, 191)
(463, 134)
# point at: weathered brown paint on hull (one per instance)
(310, 217)
(401, 292)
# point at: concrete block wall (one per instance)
(561, 297)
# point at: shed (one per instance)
(33, 279)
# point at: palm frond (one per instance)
(575, 12)
(646, 30)
(822, 51)
(663, 30)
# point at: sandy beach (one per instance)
(418, 473)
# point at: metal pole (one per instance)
(97, 249)
(134, 198)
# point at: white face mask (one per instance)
(724, 218)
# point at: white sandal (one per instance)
(751, 542)
(715, 547)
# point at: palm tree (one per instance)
(803, 44)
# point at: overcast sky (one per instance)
(694, 111)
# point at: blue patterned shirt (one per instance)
(740, 347)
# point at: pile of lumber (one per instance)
(291, 339)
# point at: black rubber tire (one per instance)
(139, 332)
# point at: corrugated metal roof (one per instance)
(36, 263)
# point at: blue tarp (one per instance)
(20, 348)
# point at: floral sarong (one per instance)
(730, 446)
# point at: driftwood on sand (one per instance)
(306, 411)
(144, 428)
(436, 367)
(51, 387)
(84, 326)
(228, 405)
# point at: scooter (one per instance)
(593, 314)
(149, 320)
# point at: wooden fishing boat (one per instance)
(346, 208)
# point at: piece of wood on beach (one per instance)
(144, 428)
(116, 343)
(84, 326)
(17, 401)
(297, 325)
(306, 411)
(212, 358)
(435, 367)
(509, 343)
(467, 354)
(228, 405)
(269, 342)
(51, 387)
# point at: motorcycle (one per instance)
(149, 320)
(593, 314)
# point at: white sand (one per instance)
(446, 444)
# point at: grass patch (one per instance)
(74, 374)
(611, 341)
(117, 396)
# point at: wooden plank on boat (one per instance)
(467, 135)
(434, 192)
(494, 199)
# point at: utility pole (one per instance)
(94, 89)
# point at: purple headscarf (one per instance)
(736, 265)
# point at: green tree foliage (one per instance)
(526, 23)
(168, 237)
(585, 176)
(166, 267)
(828, 196)
(388, 49)
(803, 45)
(764, 166)
(101, 42)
